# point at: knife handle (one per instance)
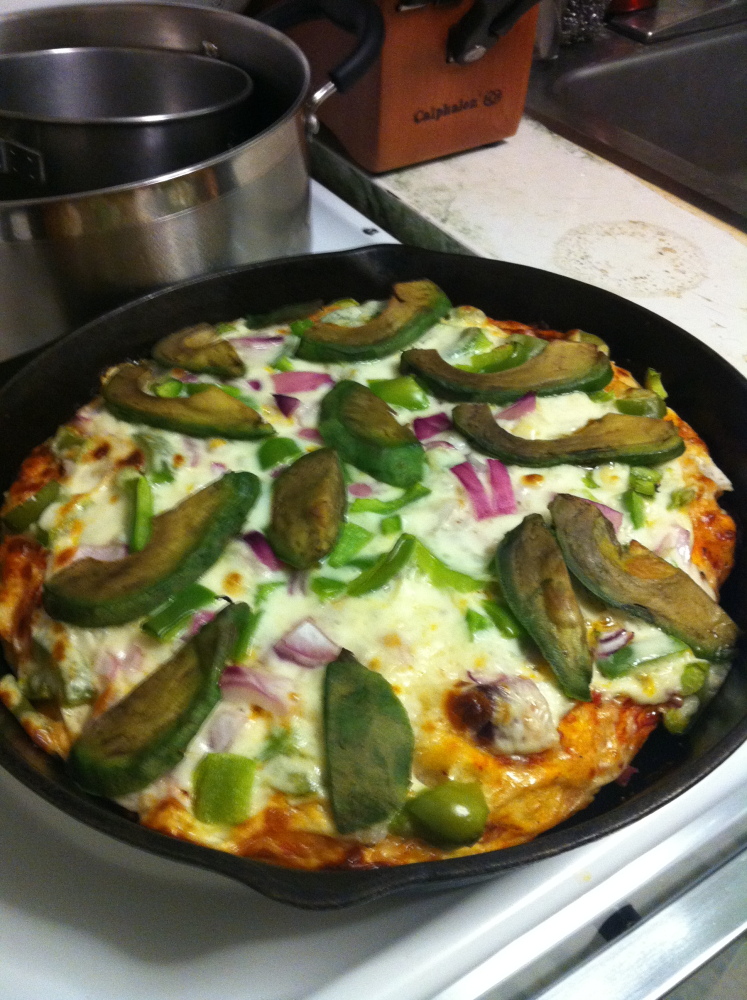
(481, 27)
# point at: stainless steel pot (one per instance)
(66, 259)
(78, 118)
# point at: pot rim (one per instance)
(159, 118)
(127, 8)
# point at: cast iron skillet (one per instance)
(703, 388)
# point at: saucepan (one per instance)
(66, 258)
(66, 376)
(76, 119)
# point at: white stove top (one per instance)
(84, 917)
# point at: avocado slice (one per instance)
(146, 733)
(200, 349)
(184, 543)
(560, 367)
(538, 589)
(308, 509)
(638, 581)
(413, 308)
(615, 437)
(212, 413)
(369, 744)
(365, 433)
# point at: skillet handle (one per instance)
(360, 17)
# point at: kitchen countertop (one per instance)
(541, 200)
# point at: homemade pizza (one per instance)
(364, 584)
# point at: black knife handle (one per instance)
(481, 27)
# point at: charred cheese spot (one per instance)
(134, 460)
(233, 584)
(99, 451)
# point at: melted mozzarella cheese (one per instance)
(413, 633)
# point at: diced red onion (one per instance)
(262, 550)
(307, 646)
(310, 434)
(257, 342)
(360, 490)
(504, 501)
(430, 445)
(527, 404)
(217, 467)
(286, 404)
(524, 723)
(678, 539)
(615, 517)
(199, 619)
(626, 775)
(188, 376)
(102, 553)
(192, 450)
(82, 419)
(609, 642)
(109, 664)
(300, 381)
(425, 427)
(476, 491)
(224, 727)
(246, 684)
(254, 383)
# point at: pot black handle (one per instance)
(361, 17)
(482, 26)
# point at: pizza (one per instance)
(363, 584)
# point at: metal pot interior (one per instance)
(106, 85)
(278, 69)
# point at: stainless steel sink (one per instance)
(678, 107)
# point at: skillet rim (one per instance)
(379, 266)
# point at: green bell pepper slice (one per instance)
(475, 623)
(681, 498)
(403, 391)
(141, 518)
(172, 616)
(644, 480)
(327, 588)
(408, 550)
(223, 788)
(353, 538)
(635, 505)
(276, 450)
(504, 620)
(391, 525)
(386, 567)
(372, 505)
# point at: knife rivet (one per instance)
(473, 54)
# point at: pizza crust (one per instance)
(527, 795)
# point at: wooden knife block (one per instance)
(413, 105)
